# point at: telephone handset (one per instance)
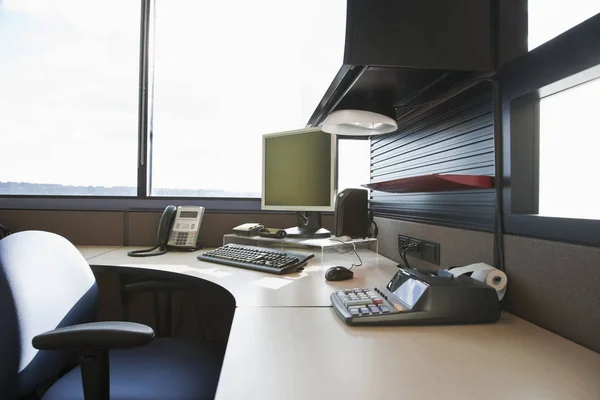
(178, 229)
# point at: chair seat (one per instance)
(167, 368)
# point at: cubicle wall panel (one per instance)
(80, 227)
(135, 228)
(454, 138)
(457, 246)
(551, 284)
(556, 286)
(141, 226)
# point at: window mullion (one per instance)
(143, 153)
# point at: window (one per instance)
(551, 141)
(354, 163)
(547, 20)
(68, 97)
(223, 79)
(569, 140)
(218, 81)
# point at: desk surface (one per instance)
(287, 343)
(258, 289)
(90, 252)
(308, 353)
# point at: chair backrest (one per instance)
(45, 283)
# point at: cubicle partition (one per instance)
(135, 228)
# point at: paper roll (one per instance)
(485, 273)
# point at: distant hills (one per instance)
(44, 189)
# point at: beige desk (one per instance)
(258, 289)
(89, 252)
(308, 353)
(287, 343)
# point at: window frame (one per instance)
(124, 203)
(142, 200)
(567, 60)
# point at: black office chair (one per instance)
(162, 291)
(4, 231)
(48, 295)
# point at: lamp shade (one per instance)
(358, 123)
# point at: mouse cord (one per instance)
(352, 247)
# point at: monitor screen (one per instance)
(299, 170)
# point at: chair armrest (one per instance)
(95, 336)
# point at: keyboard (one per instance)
(257, 258)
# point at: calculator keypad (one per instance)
(361, 301)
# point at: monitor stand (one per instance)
(309, 226)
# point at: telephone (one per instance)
(178, 229)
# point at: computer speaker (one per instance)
(352, 213)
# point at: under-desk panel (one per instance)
(308, 353)
(252, 288)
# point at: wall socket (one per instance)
(425, 250)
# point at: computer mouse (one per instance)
(338, 274)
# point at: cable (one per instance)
(163, 250)
(404, 259)
(146, 252)
(373, 229)
(353, 247)
(499, 173)
(404, 250)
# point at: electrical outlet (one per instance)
(424, 249)
(405, 241)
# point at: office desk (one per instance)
(90, 252)
(287, 343)
(308, 353)
(258, 289)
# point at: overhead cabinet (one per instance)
(401, 53)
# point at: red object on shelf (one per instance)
(433, 183)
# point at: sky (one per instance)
(567, 119)
(549, 18)
(568, 170)
(68, 91)
(69, 87)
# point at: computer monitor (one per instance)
(299, 174)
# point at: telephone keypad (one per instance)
(183, 238)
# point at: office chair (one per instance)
(162, 292)
(48, 295)
(4, 231)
